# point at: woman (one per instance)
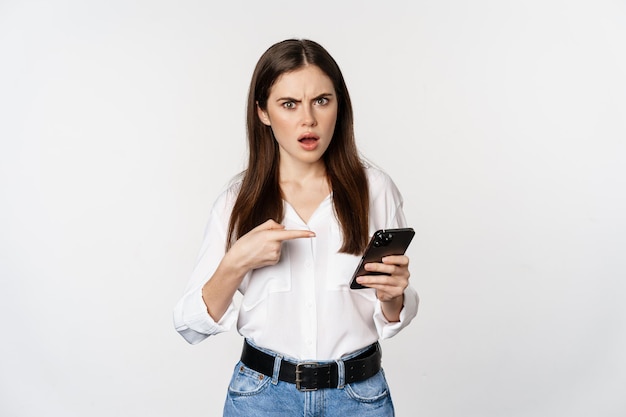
(288, 234)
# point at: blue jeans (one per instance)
(253, 394)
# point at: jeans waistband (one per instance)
(313, 375)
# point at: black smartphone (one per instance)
(383, 243)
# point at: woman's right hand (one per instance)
(262, 245)
(259, 247)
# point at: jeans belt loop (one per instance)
(276, 371)
(341, 374)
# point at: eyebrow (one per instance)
(298, 101)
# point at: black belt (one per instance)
(310, 376)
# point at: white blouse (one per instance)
(303, 306)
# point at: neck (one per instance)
(298, 173)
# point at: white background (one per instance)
(502, 122)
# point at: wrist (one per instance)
(391, 308)
(233, 266)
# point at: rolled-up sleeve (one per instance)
(193, 322)
(191, 317)
(387, 329)
(388, 202)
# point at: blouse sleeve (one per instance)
(389, 201)
(191, 318)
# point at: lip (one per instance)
(309, 141)
(308, 135)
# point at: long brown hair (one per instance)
(260, 197)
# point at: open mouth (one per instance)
(309, 141)
(308, 138)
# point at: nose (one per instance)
(308, 116)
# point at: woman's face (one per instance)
(302, 112)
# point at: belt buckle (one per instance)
(299, 372)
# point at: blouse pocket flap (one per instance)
(264, 281)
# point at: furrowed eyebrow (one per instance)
(323, 95)
(288, 99)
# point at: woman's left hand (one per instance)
(389, 287)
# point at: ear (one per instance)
(263, 116)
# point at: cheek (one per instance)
(281, 128)
(333, 115)
(281, 121)
(331, 122)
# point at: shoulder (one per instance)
(385, 200)
(228, 195)
(378, 180)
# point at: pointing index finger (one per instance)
(289, 234)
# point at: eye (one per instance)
(289, 105)
(321, 101)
